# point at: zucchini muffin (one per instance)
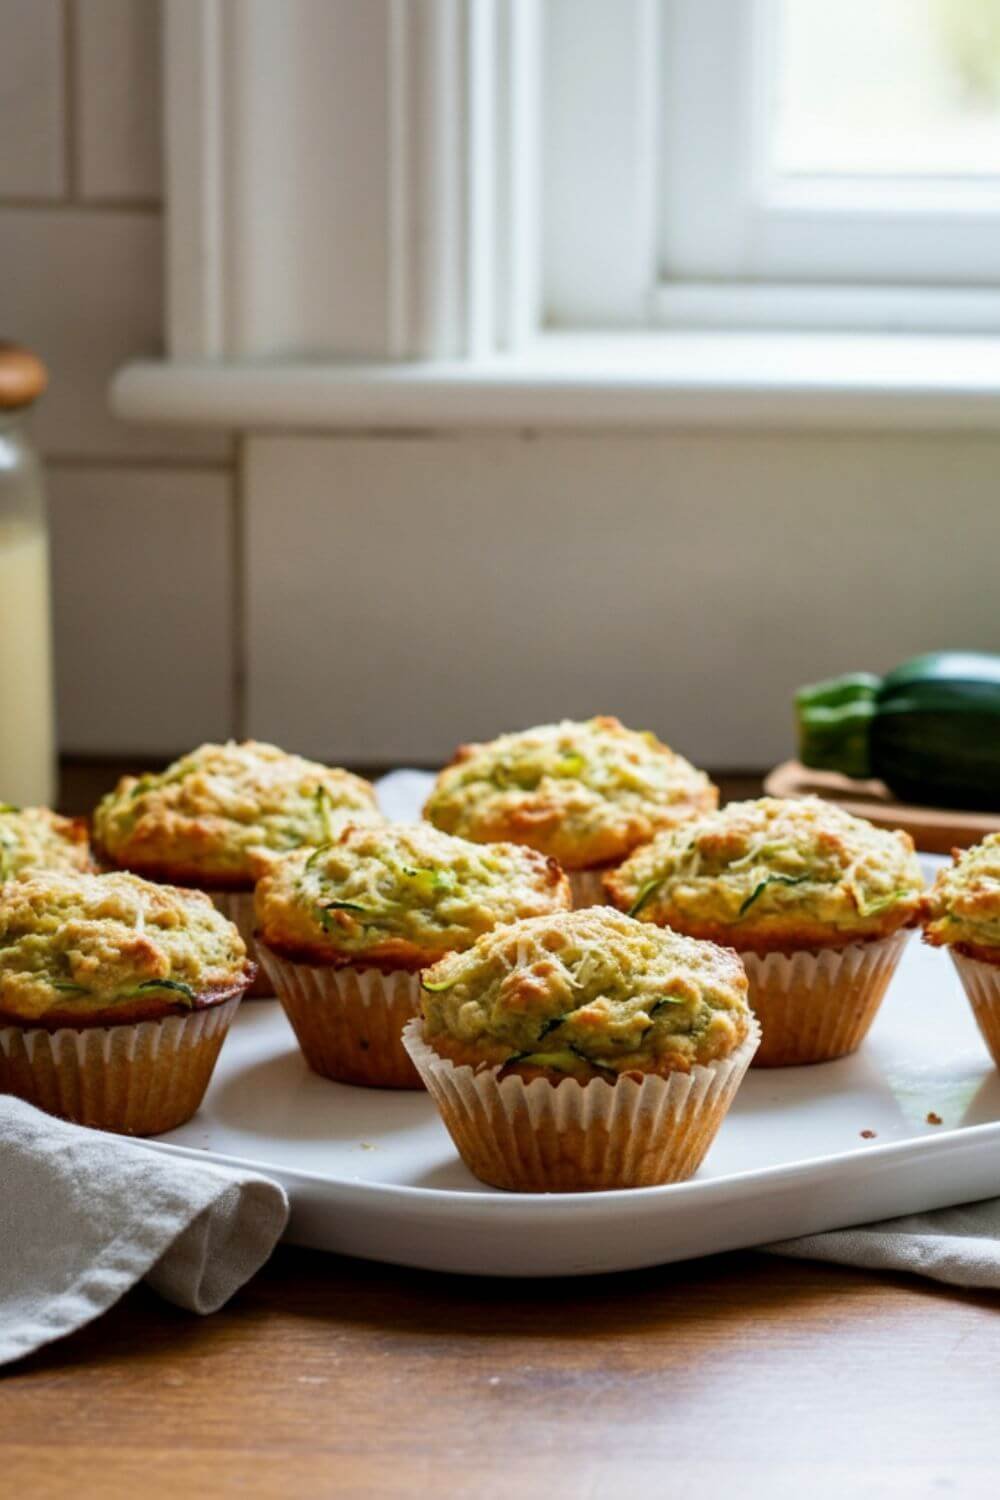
(816, 901)
(33, 838)
(584, 1050)
(585, 794)
(222, 816)
(344, 931)
(962, 913)
(115, 997)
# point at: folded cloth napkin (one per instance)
(84, 1216)
(958, 1245)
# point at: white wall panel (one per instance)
(118, 140)
(32, 154)
(143, 604)
(405, 594)
(85, 289)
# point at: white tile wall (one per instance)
(402, 594)
(143, 607)
(117, 81)
(405, 594)
(142, 518)
(84, 288)
(32, 132)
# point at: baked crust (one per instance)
(583, 793)
(962, 908)
(35, 838)
(486, 1055)
(400, 896)
(125, 1012)
(91, 950)
(222, 816)
(774, 876)
(588, 993)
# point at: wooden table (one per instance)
(739, 1376)
(742, 1376)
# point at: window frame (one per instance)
(699, 237)
(350, 179)
(886, 252)
(479, 305)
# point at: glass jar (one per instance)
(27, 729)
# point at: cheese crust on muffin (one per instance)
(33, 838)
(962, 908)
(101, 949)
(774, 875)
(224, 814)
(589, 993)
(400, 895)
(584, 793)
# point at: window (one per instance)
(797, 162)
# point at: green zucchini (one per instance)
(759, 890)
(169, 986)
(930, 729)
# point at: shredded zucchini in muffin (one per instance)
(225, 813)
(585, 992)
(963, 905)
(33, 838)
(78, 942)
(776, 869)
(402, 891)
(584, 793)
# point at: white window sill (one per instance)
(776, 380)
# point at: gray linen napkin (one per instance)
(957, 1245)
(84, 1216)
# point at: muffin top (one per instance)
(223, 814)
(400, 895)
(94, 949)
(962, 907)
(584, 793)
(588, 993)
(775, 874)
(33, 838)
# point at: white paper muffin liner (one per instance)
(587, 886)
(568, 1137)
(238, 906)
(815, 1006)
(349, 1021)
(981, 982)
(137, 1078)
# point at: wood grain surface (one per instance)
(737, 1376)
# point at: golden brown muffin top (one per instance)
(774, 874)
(584, 793)
(33, 838)
(79, 949)
(587, 993)
(222, 815)
(400, 896)
(962, 908)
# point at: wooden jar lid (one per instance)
(23, 377)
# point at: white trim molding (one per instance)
(780, 381)
(349, 180)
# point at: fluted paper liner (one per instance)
(571, 1137)
(238, 906)
(815, 1006)
(587, 886)
(349, 1021)
(981, 982)
(139, 1078)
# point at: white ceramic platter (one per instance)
(374, 1173)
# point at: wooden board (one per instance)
(937, 830)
